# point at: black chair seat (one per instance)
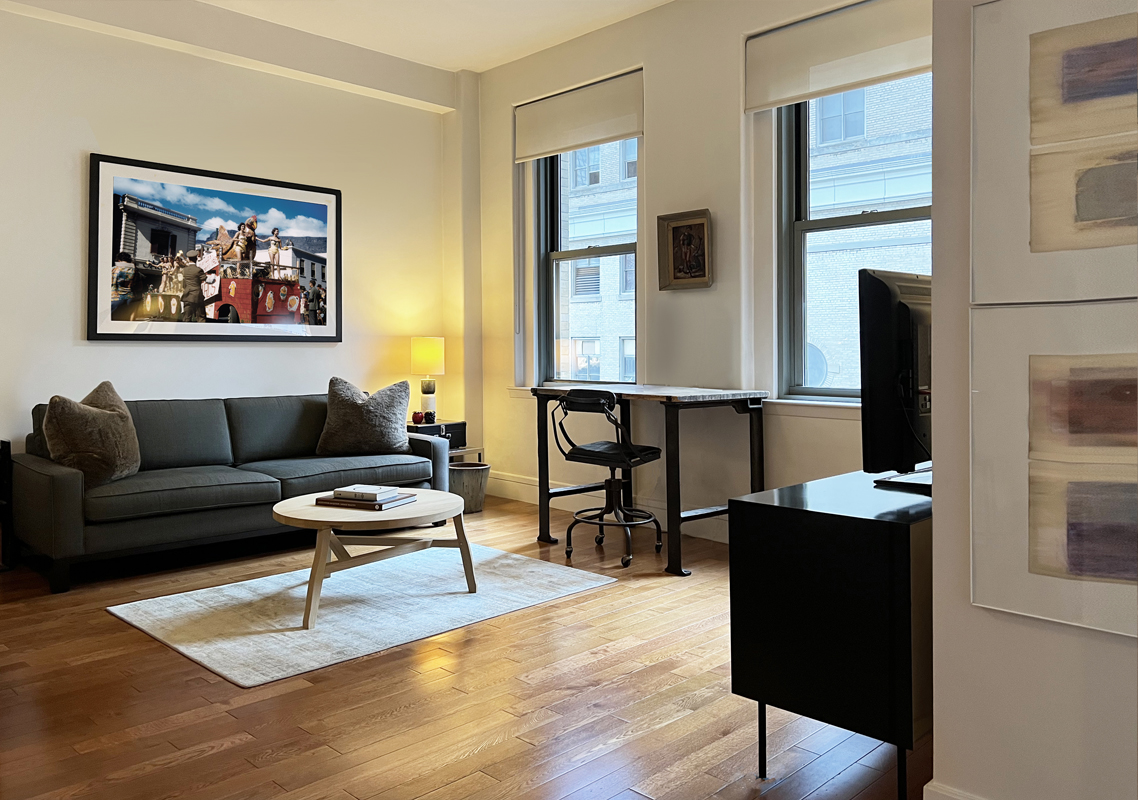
(611, 454)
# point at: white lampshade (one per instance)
(427, 356)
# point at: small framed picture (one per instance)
(685, 250)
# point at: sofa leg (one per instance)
(59, 575)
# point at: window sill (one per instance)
(822, 408)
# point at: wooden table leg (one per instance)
(316, 576)
(464, 548)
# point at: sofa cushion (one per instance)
(324, 473)
(181, 433)
(95, 436)
(179, 489)
(266, 428)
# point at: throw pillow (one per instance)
(95, 436)
(359, 425)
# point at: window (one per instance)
(587, 166)
(586, 277)
(162, 243)
(841, 116)
(586, 359)
(587, 283)
(862, 206)
(628, 273)
(628, 359)
(324, 272)
(628, 158)
(301, 263)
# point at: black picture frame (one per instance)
(100, 325)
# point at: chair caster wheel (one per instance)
(659, 547)
(625, 560)
(568, 552)
(599, 538)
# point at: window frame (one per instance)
(794, 223)
(547, 234)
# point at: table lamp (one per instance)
(427, 359)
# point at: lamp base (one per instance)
(427, 390)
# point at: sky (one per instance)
(213, 208)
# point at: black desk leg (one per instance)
(902, 774)
(672, 470)
(543, 471)
(758, 461)
(626, 474)
(762, 741)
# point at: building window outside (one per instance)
(628, 359)
(587, 277)
(628, 273)
(324, 272)
(851, 205)
(587, 166)
(300, 262)
(588, 283)
(162, 243)
(841, 116)
(586, 359)
(628, 150)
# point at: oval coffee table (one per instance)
(329, 521)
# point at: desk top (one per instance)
(849, 495)
(663, 394)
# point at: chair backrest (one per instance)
(588, 401)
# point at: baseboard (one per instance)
(524, 489)
(938, 791)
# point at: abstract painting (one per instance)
(1084, 80)
(1085, 195)
(1054, 462)
(1083, 467)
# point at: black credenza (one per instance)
(831, 607)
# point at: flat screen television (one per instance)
(895, 312)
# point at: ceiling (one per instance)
(451, 34)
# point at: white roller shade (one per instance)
(866, 43)
(600, 112)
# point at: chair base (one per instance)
(613, 514)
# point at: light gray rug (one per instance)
(250, 634)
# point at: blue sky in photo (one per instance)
(213, 208)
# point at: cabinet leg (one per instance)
(902, 774)
(762, 741)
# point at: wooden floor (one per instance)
(620, 693)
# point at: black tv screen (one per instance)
(895, 311)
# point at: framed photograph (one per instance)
(182, 254)
(685, 250)
(1055, 462)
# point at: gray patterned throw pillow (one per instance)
(95, 435)
(359, 425)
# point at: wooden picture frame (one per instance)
(254, 278)
(685, 254)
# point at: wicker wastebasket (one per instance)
(468, 480)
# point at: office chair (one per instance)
(621, 454)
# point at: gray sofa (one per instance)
(211, 471)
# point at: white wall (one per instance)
(697, 152)
(1024, 709)
(68, 92)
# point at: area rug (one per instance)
(249, 632)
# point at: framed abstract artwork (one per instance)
(1055, 462)
(181, 254)
(1054, 180)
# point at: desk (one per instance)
(674, 399)
(831, 607)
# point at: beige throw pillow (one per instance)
(95, 436)
(359, 425)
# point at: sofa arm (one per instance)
(47, 500)
(438, 450)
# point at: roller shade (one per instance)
(869, 42)
(600, 112)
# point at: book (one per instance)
(365, 505)
(366, 491)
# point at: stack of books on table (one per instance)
(366, 497)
